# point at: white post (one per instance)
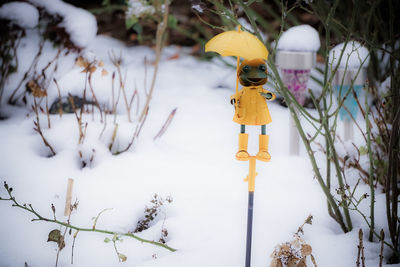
(294, 138)
(348, 130)
(68, 198)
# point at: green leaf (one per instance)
(122, 257)
(137, 27)
(131, 21)
(106, 240)
(115, 238)
(55, 236)
(363, 150)
(106, 3)
(172, 21)
(378, 140)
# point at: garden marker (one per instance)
(296, 56)
(349, 80)
(250, 103)
(295, 67)
(348, 83)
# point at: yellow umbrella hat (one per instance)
(237, 43)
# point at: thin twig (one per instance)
(39, 217)
(382, 235)
(166, 124)
(73, 246)
(162, 26)
(60, 110)
(38, 129)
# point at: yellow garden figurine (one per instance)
(250, 103)
(251, 107)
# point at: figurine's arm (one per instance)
(235, 99)
(268, 95)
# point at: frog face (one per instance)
(253, 72)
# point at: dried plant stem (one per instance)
(114, 135)
(313, 260)
(166, 124)
(382, 234)
(122, 82)
(39, 217)
(135, 135)
(73, 246)
(114, 105)
(162, 26)
(355, 208)
(94, 97)
(60, 111)
(38, 129)
(47, 112)
(104, 125)
(11, 99)
(78, 119)
(361, 247)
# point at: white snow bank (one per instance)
(20, 13)
(300, 38)
(80, 24)
(354, 55)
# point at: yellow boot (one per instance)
(263, 154)
(242, 154)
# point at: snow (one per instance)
(20, 13)
(299, 38)
(198, 8)
(193, 162)
(138, 8)
(80, 24)
(354, 55)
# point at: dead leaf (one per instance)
(35, 89)
(196, 49)
(306, 250)
(133, 37)
(302, 263)
(276, 263)
(90, 69)
(122, 257)
(55, 236)
(104, 72)
(101, 63)
(174, 56)
(81, 62)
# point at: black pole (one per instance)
(249, 228)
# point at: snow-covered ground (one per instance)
(193, 162)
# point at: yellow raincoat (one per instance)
(251, 106)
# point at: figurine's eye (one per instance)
(262, 67)
(246, 69)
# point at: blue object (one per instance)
(350, 103)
